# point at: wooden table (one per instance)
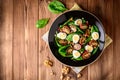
(22, 51)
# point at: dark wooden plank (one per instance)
(31, 40)
(102, 68)
(6, 37)
(116, 38)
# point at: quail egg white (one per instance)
(61, 35)
(88, 48)
(75, 38)
(78, 22)
(95, 35)
(76, 54)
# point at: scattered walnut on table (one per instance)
(48, 63)
(65, 70)
(68, 78)
(79, 75)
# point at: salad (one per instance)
(77, 39)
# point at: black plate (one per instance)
(93, 20)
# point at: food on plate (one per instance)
(77, 39)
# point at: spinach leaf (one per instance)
(56, 40)
(42, 23)
(62, 50)
(56, 7)
(69, 37)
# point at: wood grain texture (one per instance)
(22, 50)
(6, 39)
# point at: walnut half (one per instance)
(48, 63)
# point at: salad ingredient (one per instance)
(77, 46)
(86, 55)
(87, 33)
(88, 48)
(73, 28)
(56, 7)
(83, 26)
(69, 37)
(61, 35)
(56, 40)
(63, 42)
(82, 40)
(76, 54)
(93, 43)
(78, 22)
(95, 35)
(95, 50)
(42, 23)
(75, 38)
(69, 50)
(65, 29)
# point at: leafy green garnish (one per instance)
(56, 40)
(62, 50)
(56, 7)
(42, 23)
(69, 37)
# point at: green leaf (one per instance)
(69, 37)
(56, 40)
(56, 7)
(62, 50)
(42, 23)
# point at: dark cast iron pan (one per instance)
(92, 19)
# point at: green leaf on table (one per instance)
(42, 23)
(56, 7)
